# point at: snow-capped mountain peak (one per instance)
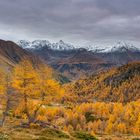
(61, 45)
(124, 47)
(38, 44)
(24, 43)
(61, 42)
(119, 47)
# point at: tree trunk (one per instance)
(26, 108)
(33, 119)
(5, 112)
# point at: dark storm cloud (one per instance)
(74, 20)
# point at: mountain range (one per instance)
(73, 61)
(116, 73)
(70, 61)
(39, 44)
(61, 45)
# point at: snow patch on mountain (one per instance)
(124, 47)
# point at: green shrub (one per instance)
(89, 117)
(136, 139)
(55, 133)
(3, 136)
(84, 136)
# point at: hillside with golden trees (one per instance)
(116, 85)
(34, 105)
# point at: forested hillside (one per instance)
(115, 85)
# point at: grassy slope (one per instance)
(32, 134)
(41, 134)
(53, 134)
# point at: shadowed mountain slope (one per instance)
(11, 54)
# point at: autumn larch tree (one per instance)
(26, 81)
(48, 87)
(34, 83)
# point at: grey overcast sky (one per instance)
(77, 21)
